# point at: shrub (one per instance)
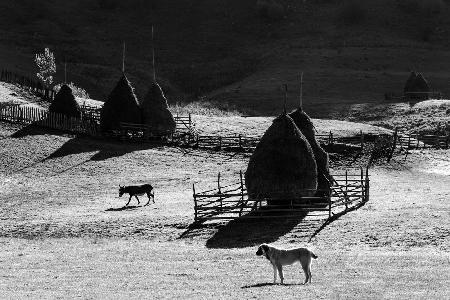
(76, 90)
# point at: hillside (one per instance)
(231, 52)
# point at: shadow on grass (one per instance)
(129, 207)
(335, 217)
(245, 232)
(268, 284)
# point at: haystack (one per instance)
(65, 103)
(417, 86)
(410, 82)
(155, 111)
(283, 164)
(304, 123)
(121, 106)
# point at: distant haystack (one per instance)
(121, 106)
(410, 82)
(155, 111)
(283, 164)
(417, 86)
(65, 103)
(304, 123)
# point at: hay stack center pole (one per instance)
(301, 90)
(285, 98)
(153, 55)
(123, 58)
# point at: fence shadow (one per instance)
(243, 232)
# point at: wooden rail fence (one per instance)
(231, 201)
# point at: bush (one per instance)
(352, 12)
(76, 90)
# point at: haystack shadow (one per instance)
(248, 232)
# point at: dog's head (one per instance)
(121, 190)
(262, 250)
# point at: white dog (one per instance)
(281, 257)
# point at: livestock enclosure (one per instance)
(231, 201)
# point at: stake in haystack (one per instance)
(155, 110)
(65, 103)
(282, 166)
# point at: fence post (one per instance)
(346, 190)
(362, 184)
(242, 193)
(394, 144)
(220, 142)
(195, 203)
(362, 139)
(367, 184)
(329, 201)
(240, 142)
(417, 138)
(220, 190)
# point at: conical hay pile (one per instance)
(283, 164)
(155, 111)
(421, 84)
(65, 103)
(305, 125)
(410, 82)
(121, 106)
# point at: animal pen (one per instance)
(231, 201)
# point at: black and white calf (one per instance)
(135, 190)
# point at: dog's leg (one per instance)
(153, 197)
(274, 274)
(148, 202)
(129, 199)
(280, 272)
(137, 198)
(307, 272)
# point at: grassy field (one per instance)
(64, 232)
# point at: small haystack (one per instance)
(65, 103)
(121, 106)
(304, 123)
(155, 111)
(417, 86)
(282, 165)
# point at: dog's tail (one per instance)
(313, 255)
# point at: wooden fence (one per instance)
(28, 83)
(231, 201)
(41, 117)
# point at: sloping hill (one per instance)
(350, 51)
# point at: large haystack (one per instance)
(304, 123)
(121, 106)
(283, 164)
(155, 111)
(65, 103)
(421, 84)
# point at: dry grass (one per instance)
(60, 239)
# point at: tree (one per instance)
(46, 66)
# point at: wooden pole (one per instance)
(195, 203)
(346, 190)
(301, 90)
(218, 183)
(153, 56)
(123, 58)
(242, 192)
(367, 184)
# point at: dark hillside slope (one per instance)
(350, 51)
